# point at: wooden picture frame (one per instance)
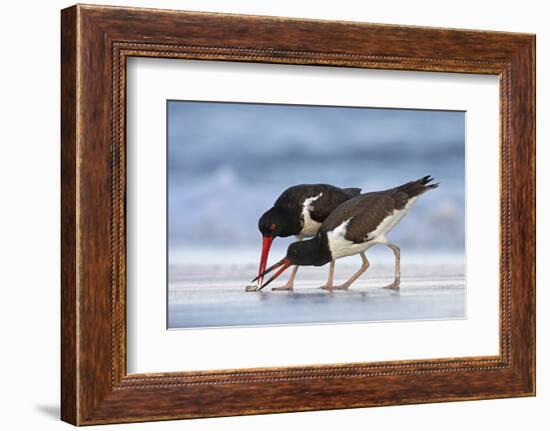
(95, 43)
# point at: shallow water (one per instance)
(215, 297)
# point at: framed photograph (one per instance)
(263, 214)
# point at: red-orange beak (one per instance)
(283, 264)
(266, 245)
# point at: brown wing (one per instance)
(331, 199)
(366, 213)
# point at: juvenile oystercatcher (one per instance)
(352, 228)
(299, 211)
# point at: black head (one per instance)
(308, 253)
(304, 253)
(278, 221)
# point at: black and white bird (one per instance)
(352, 228)
(299, 211)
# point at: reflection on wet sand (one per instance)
(218, 299)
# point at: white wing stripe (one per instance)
(310, 226)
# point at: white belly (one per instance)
(341, 247)
(379, 234)
(310, 227)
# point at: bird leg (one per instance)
(290, 283)
(355, 276)
(328, 285)
(397, 279)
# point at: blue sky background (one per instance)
(227, 163)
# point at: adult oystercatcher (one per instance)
(352, 228)
(299, 211)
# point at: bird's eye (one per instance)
(272, 227)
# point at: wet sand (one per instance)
(214, 296)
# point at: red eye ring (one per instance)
(272, 227)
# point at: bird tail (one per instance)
(352, 192)
(416, 188)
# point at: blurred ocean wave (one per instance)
(229, 162)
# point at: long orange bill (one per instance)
(266, 245)
(283, 264)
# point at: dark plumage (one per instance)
(287, 213)
(367, 211)
(353, 227)
(300, 210)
